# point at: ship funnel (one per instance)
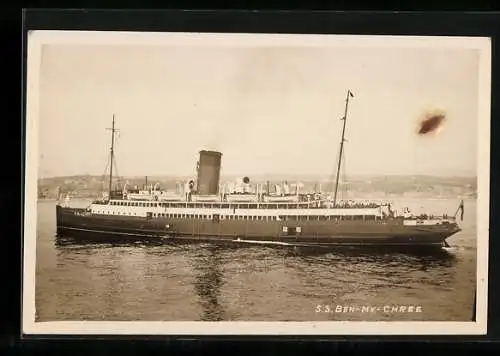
(209, 172)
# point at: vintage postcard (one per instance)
(256, 184)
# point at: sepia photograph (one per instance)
(256, 184)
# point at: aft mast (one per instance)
(113, 130)
(342, 140)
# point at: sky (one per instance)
(269, 110)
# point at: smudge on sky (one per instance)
(431, 122)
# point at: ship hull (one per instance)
(79, 223)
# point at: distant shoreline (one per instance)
(381, 187)
(362, 198)
(273, 177)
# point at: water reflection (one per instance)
(69, 241)
(209, 281)
(218, 280)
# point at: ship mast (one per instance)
(342, 140)
(113, 130)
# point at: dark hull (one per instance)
(391, 233)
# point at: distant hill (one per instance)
(362, 186)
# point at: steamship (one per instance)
(204, 210)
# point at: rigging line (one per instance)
(333, 175)
(104, 174)
(118, 178)
(344, 175)
(115, 165)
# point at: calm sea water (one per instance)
(255, 283)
